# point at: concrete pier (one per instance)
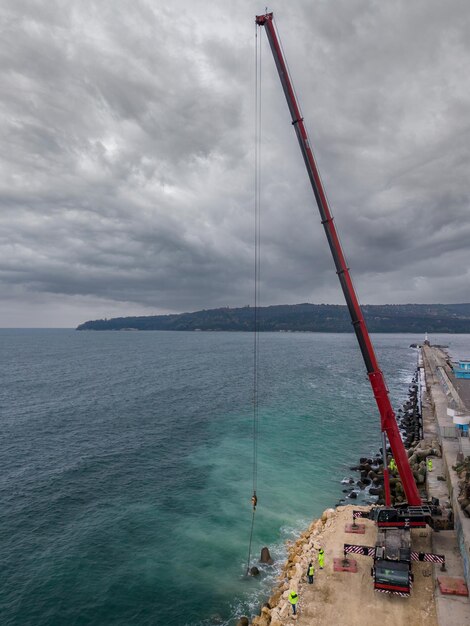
(346, 596)
(440, 393)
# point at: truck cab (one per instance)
(392, 561)
(392, 576)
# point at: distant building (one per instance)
(462, 369)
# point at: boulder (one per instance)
(329, 513)
(254, 571)
(274, 599)
(422, 454)
(243, 621)
(266, 557)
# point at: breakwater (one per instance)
(410, 422)
(368, 489)
(427, 433)
(338, 597)
(301, 553)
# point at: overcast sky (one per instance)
(127, 159)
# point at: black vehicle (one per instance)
(393, 557)
(405, 517)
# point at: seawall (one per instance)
(441, 394)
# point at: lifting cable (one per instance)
(257, 268)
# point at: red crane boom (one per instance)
(377, 381)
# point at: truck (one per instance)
(392, 560)
(393, 556)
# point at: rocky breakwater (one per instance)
(409, 421)
(278, 611)
(463, 472)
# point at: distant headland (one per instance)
(380, 318)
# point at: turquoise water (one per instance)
(126, 465)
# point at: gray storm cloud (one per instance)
(126, 181)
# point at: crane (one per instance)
(388, 423)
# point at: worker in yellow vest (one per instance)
(321, 558)
(429, 465)
(310, 573)
(293, 599)
(392, 466)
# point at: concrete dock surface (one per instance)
(442, 483)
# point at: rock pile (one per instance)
(409, 417)
(410, 423)
(463, 472)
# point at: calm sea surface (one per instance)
(126, 465)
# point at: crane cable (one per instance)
(257, 268)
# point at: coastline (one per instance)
(292, 576)
(277, 610)
(337, 594)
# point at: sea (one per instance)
(127, 465)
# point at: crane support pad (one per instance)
(345, 565)
(357, 529)
(453, 586)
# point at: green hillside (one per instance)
(386, 318)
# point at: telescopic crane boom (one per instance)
(387, 417)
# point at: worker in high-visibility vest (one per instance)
(293, 599)
(321, 558)
(392, 466)
(310, 573)
(429, 465)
